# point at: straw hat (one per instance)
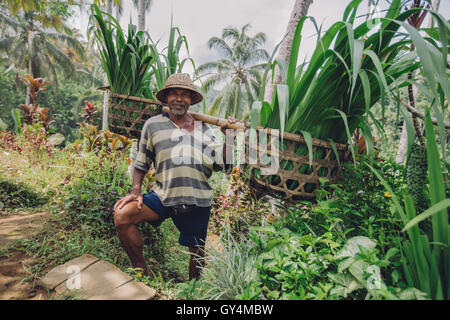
(179, 81)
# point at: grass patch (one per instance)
(18, 195)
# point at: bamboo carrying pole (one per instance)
(236, 126)
(241, 126)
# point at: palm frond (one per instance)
(213, 80)
(230, 33)
(207, 67)
(7, 43)
(221, 46)
(13, 23)
(70, 41)
(60, 57)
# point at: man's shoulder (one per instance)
(157, 118)
(158, 121)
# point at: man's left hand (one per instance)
(223, 127)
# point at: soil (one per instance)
(13, 274)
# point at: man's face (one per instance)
(179, 101)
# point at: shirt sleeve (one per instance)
(144, 156)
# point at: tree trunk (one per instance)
(300, 10)
(435, 7)
(106, 93)
(141, 15)
(30, 62)
(403, 144)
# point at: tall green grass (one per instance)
(168, 60)
(351, 69)
(126, 61)
(425, 255)
(425, 260)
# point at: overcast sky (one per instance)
(200, 20)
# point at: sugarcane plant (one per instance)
(126, 60)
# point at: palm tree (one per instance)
(142, 6)
(240, 69)
(300, 10)
(32, 44)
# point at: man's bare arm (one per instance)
(138, 177)
(135, 193)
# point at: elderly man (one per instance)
(181, 189)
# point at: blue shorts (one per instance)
(193, 226)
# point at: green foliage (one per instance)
(104, 142)
(125, 60)
(91, 197)
(360, 268)
(38, 41)
(167, 61)
(15, 194)
(60, 102)
(325, 264)
(230, 272)
(426, 256)
(11, 98)
(313, 251)
(350, 70)
(362, 202)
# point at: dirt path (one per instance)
(12, 263)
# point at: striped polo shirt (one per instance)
(183, 160)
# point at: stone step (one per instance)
(87, 277)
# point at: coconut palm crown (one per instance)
(239, 70)
(38, 39)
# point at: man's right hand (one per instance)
(131, 197)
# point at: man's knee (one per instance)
(122, 217)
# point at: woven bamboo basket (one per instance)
(127, 114)
(295, 178)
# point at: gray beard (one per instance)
(178, 113)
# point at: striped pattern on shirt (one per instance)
(183, 160)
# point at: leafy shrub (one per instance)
(239, 210)
(91, 197)
(309, 266)
(361, 268)
(360, 205)
(292, 265)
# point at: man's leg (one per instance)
(126, 221)
(196, 263)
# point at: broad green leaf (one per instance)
(308, 140)
(442, 205)
(283, 102)
(352, 246)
